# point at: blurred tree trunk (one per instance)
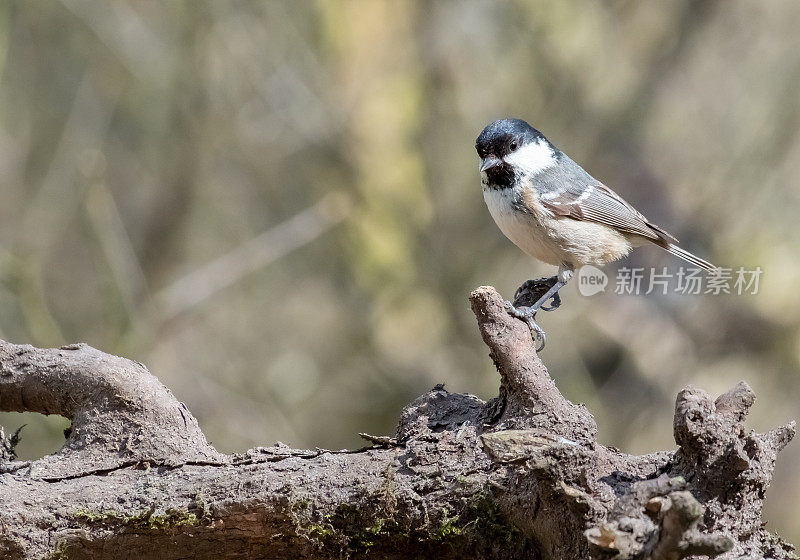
(520, 476)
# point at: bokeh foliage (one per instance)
(151, 154)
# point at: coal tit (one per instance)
(553, 210)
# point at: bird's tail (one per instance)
(688, 257)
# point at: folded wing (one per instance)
(597, 203)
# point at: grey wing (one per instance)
(581, 197)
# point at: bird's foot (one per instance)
(533, 290)
(528, 315)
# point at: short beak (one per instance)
(490, 161)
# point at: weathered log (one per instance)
(520, 476)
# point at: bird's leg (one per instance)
(561, 281)
(528, 313)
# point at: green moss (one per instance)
(348, 529)
(448, 529)
(490, 520)
(352, 530)
(90, 516)
(321, 532)
(171, 518)
(145, 520)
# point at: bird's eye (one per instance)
(513, 146)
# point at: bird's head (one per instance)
(510, 149)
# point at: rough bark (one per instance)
(520, 476)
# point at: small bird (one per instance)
(553, 210)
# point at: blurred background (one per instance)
(276, 205)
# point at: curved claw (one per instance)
(528, 316)
(538, 334)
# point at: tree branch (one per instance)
(520, 476)
(120, 413)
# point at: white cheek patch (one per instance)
(532, 158)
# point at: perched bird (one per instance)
(553, 210)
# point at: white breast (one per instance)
(524, 230)
(551, 239)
